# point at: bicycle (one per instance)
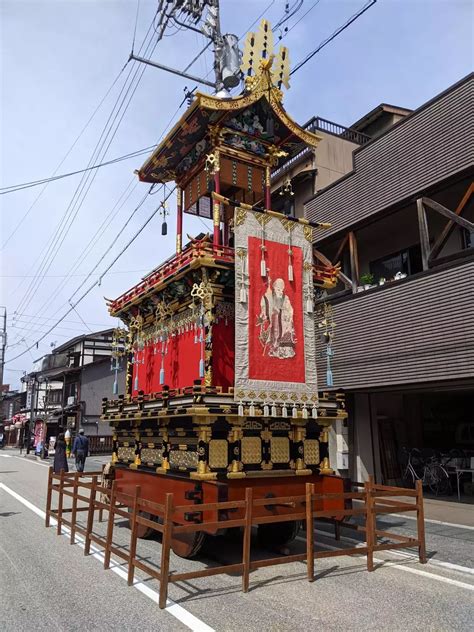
(433, 474)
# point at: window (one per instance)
(467, 238)
(407, 261)
(54, 396)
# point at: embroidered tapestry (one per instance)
(275, 357)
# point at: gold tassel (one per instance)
(290, 272)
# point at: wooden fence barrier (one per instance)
(168, 519)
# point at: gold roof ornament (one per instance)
(192, 140)
(258, 56)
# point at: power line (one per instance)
(76, 202)
(34, 183)
(309, 56)
(62, 276)
(111, 245)
(129, 243)
(89, 247)
(83, 322)
(15, 317)
(337, 32)
(121, 119)
(92, 242)
(63, 160)
(301, 18)
(289, 13)
(20, 327)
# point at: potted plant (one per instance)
(367, 280)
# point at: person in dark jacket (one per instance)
(60, 460)
(80, 450)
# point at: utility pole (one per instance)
(3, 345)
(31, 423)
(227, 57)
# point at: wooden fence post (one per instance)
(101, 511)
(369, 524)
(75, 491)
(48, 497)
(420, 520)
(309, 531)
(165, 550)
(133, 537)
(60, 502)
(90, 516)
(247, 538)
(110, 527)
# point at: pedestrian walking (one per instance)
(80, 450)
(60, 460)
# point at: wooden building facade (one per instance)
(402, 231)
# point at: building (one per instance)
(11, 422)
(66, 387)
(308, 170)
(402, 229)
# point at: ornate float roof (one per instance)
(239, 122)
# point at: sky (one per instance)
(63, 67)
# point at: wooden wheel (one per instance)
(277, 534)
(144, 533)
(188, 545)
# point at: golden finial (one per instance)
(258, 57)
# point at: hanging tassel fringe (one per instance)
(305, 412)
(240, 410)
(115, 387)
(162, 376)
(329, 381)
(290, 272)
(243, 295)
(135, 385)
(284, 411)
(274, 410)
(295, 412)
(314, 412)
(309, 306)
(266, 411)
(201, 367)
(263, 268)
(252, 410)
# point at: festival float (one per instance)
(219, 340)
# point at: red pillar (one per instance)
(179, 220)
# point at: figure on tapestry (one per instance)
(276, 322)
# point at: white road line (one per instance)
(23, 460)
(440, 522)
(6, 456)
(432, 521)
(408, 569)
(177, 611)
(431, 562)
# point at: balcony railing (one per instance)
(352, 135)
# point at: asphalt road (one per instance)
(47, 584)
